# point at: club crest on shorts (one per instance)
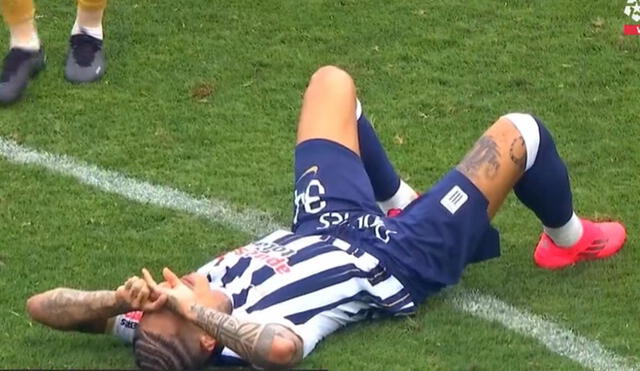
(454, 199)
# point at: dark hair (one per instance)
(156, 352)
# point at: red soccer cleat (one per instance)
(598, 241)
(392, 213)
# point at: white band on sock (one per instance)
(32, 44)
(403, 197)
(358, 109)
(91, 31)
(568, 234)
(528, 128)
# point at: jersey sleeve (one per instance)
(310, 332)
(215, 269)
(125, 326)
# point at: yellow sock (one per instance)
(17, 11)
(18, 15)
(92, 4)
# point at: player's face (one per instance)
(194, 341)
(168, 324)
(199, 284)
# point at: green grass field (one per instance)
(203, 96)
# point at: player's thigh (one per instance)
(329, 109)
(440, 233)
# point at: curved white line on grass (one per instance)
(250, 221)
(588, 353)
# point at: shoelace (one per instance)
(84, 48)
(12, 62)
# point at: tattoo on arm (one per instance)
(483, 159)
(252, 341)
(68, 309)
(518, 146)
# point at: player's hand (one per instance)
(179, 297)
(138, 296)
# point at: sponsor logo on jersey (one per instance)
(131, 319)
(135, 315)
(272, 254)
(365, 221)
(312, 170)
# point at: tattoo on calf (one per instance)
(518, 146)
(484, 157)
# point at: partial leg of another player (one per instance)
(517, 152)
(26, 57)
(86, 61)
(391, 192)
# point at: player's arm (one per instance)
(266, 345)
(91, 311)
(75, 310)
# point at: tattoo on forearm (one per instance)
(518, 146)
(484, 158)
(68, 308)
(250, 340)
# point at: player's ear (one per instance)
(207, 343)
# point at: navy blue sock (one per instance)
(545, 187)
(384, 179)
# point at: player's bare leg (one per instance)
(331, 111)
(518, 152)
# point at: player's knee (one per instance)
(522, 121)
(534, 134)
(331, 77)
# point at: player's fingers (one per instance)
(149, 280)
(171, 277)
(135, 303)
(122, 293)
(156, 304)
(143, 295)
(130, 282)
(136, 287)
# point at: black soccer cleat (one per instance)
(85, 61)
(19, 66)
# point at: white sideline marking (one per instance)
(588, 353)
(250, 221)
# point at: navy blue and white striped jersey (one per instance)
(312, 284)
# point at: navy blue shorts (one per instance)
(426, 247)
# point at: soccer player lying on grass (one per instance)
(271, 301)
